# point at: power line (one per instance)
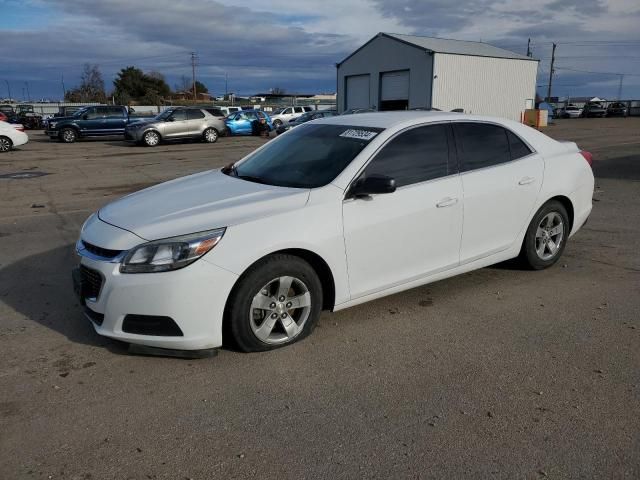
(597, 73)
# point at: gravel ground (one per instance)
(499, 373)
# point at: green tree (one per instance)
(201, 87)
(133, 84)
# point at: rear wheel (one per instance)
(5, 144)
(277, 302)
(277, 123)
(151, 138)
(68, 135)
(210, 135)
(546, 236)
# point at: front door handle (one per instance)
(446, 202)
(526, 180)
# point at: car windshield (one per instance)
(278, 111)
(304, 117)
(309, 156)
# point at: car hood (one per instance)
(199, 202)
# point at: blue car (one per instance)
(247, 122)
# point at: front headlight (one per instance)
(170, 253)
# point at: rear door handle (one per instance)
(526, 180)
(446, 202)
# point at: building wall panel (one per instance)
(484, 86)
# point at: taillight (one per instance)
(20, 129)
(587, 156)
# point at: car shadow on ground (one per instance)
(39, 287)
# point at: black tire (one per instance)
(151, 138)
(68, 135)
(210, 135)
(277, 123)
(239, 314)
(529, 255)
(5, 144)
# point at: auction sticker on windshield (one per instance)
(358, 134)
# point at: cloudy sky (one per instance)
(294, 44)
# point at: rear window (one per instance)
(309, 156)
(481, 145)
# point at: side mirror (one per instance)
(170, 119)
(373, 185)
(85, 116)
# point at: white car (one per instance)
(331, 214)
(11, 135)
(285, 115)
(570, 111)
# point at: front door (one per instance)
(501, 178)
(114, 120)
(91, 121)
(176, 125)
(415, 231)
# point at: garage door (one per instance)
(357, 92)
(394, 86)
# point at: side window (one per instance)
(415, 156)
(518, 148)
(194, 114)
(289, 110)
(307, 109)
(299, 110)
(179, 115)
(92, 113)
(114, 112)
(481, 145)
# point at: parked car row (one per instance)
(591, 110)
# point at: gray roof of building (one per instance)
(453, 47)
(457, 47)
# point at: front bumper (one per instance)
(193, 297)
(134, 135)
(52, 133)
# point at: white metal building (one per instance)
(396, 72)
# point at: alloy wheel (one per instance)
(5, 144)
(280, 310)
(69, 136)
(549, 236)
(151, 138)
(210, 135)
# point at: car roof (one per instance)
(400, 118)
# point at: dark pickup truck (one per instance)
(95, 121)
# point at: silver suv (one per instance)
(176, 124)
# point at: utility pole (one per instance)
(620, 86)
(529, 54)
(64, 90)
(28, 94)
(553, 60)
(226, 84)
(193, 73)
(8, 88)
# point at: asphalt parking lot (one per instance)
(499, 373)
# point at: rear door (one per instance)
(114, 120)
(415, 231)
(195, 122)
(501, 178)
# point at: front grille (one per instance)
(101, 252)
(90, 282)
(151, 325)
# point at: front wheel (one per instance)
(277, 123)
(151, 138)
(546, 236)
(68, 135)
(277, 302)
(5, 144)
(210, 135)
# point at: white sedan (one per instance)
(331, 214)
(11, 135)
